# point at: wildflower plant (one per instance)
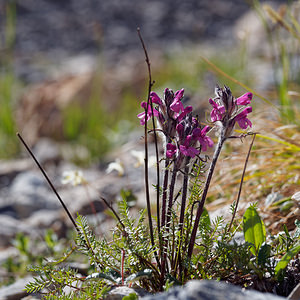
(185, 140)
(181, 242)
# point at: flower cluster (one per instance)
(182, 131)
(227, 110)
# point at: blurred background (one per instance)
(73, 75)
(74, 71)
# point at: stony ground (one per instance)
(54, 30)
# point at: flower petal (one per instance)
(155, 98)
(244, 99)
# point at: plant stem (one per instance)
(49, 182)
(167, 225)
(211, 169)
(150, 84)
(58, 197)
(164, 204)
(241, 184)
(146, 141)
(184, 194)
(122, 265)
(164, 195)
(182, 211)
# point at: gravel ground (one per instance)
(54, 29)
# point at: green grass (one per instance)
(9, 86)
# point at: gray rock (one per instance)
(6, 253)
(43, 218)
(29, 192)
(46, 150)
(9, 227)
(46, 219)
(117, 293)
(10, 169)
(272, 198)
(15, 291)
(211, 290)
(73, 27)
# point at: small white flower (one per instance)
(116, 165)
(73, 177)
(140, 157)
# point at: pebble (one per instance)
(211, 290)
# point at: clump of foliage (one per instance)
(181, 243)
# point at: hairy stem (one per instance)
(204, 194)
(182, 210)
(164, 204)
(167, 225)
(184, 194)
(164, 194)
(150, 84)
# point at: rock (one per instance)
(82, 26)
(295, 294)
(29, 192)
(10, 169)
(15, 291)
(46, 150)
(46, 219)
(117, 293)
(30, 297)
(296, 197)
(9, 227)
(211, 290)
(272, 198)
(78, 199)
(6, 253)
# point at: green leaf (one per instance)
(263, 254)
(147, 273)
(254, 229)
(129, 197)
(285, 261)
(205, 220)
(131, 296)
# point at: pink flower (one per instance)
(186, 149)
(217, 112)
(200, 135)
(142, 115)
(244, 99)
(177, 105)
(185, 111)
(179, 94)
(242, 119)
(155, 98)
(171, 150)
(180, 130)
